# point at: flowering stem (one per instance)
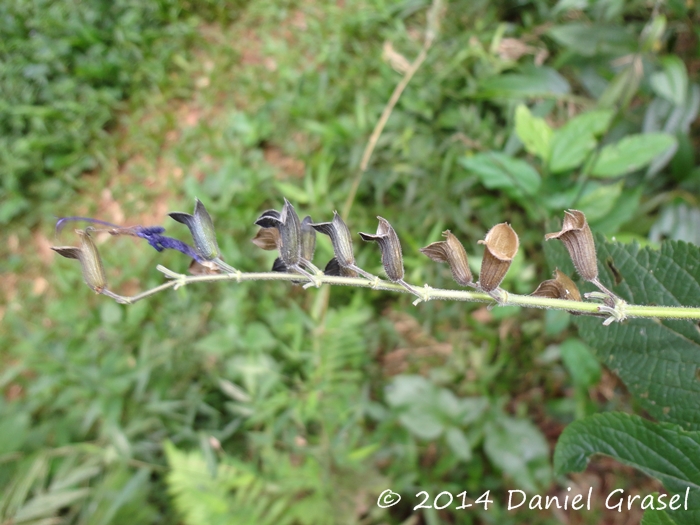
(620, 312)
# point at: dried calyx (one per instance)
(453, 253)
(578, 239)
(343, 264)
(202, 229)
(295, 241)
(501, 243)
(392, 258)
(296, 244)
(90, 262)
(560, 287)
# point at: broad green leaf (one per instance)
(661, 450)
(534, 132)
(572, 143)
(657, 360)
(499, 171)
(580, 362)
(519, 449)
(671, 83)
(600, 201)
(530, 82)
(631, 153)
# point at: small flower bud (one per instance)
(90, 260)
(341, 239)
(452, 252)
(501, 246)
(389, 244)
(578, 239)
(202, 230)
(561, 287)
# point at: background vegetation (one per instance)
(268, 404)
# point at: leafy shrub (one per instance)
(65, 67)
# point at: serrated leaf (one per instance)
(631, 153)
(572, 143)
(658, 360)
(534, 132)
(661, 450)
(499, 171)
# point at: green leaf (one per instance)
(597, 203)
(47, 505)
(499, 171)
(622, 211)
(530, 82)
(519, 449)
(534, 132)
(661, 450)
(631, 153)
(671, 83)
(657, 360)
(576, 139)
(657, 517)
(458, 443)
(593, 39)
(580, 362)
(426, 410)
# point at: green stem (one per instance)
(620, 312)
(662, 312)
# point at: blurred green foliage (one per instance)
(65, 68)
(275, 403)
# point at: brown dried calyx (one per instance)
(295, 240)
(501, 246)
(453, 253)
(90, 260)
(561, 287)
(392, 258)
(343, 263)
(578, 239)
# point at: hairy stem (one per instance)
(620, 312)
